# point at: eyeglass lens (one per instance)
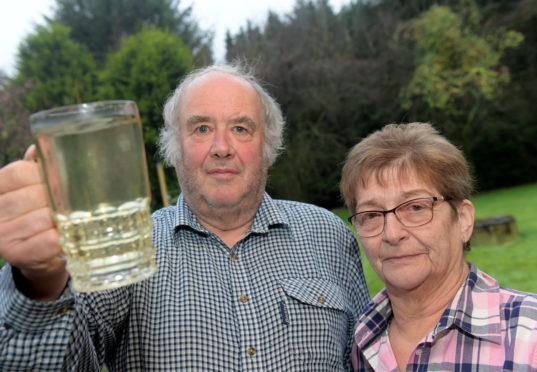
(412, 213)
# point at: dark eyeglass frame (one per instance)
(434, 200)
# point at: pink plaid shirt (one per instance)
(485, 328)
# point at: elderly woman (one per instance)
(407, 188)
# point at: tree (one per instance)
(14, 128)
(340, 76)
(61, 71)
(458, 82)
(147, 66)
(455, 65)
(334, 75)
(101, 24)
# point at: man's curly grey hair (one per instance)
(272, 115)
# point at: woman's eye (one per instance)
(415, 207)
(368, 217)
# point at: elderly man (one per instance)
(244, 282)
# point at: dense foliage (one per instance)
(102, 24)
(97, 50)
(145, 69)
(14, 129)
(61, 71)
(466, 66)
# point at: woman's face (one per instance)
(410, 258)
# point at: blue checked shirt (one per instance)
(284, 298)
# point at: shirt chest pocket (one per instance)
(319, 320)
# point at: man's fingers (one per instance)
(38, 253)
(31, 153)
(19, 174)
(25, 226)
(30, 240)
(19, 202)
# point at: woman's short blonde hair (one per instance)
(415, 148)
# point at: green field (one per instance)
(513, 265)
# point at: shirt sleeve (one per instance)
(58, 335)
(348, 266)
(356, 287)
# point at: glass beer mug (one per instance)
(93, 162)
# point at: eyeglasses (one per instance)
(412, 213)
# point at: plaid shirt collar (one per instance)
(464, 312)
(267, 215)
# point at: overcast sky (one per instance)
(19, 17)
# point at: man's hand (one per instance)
(29, 240)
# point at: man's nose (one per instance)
(221, 146)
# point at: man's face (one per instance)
(221, 138)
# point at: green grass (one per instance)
(513, 265)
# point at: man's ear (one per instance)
(466, 212)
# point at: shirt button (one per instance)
(243, 299)
(234, 256)
(418, 352)
(252, 351)
(63, 310)
(321, 300)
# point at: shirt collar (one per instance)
(374, 320)
(267, 215)
(475, 309)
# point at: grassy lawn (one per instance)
(513, 265)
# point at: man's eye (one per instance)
(202, 129)
(240, 129)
